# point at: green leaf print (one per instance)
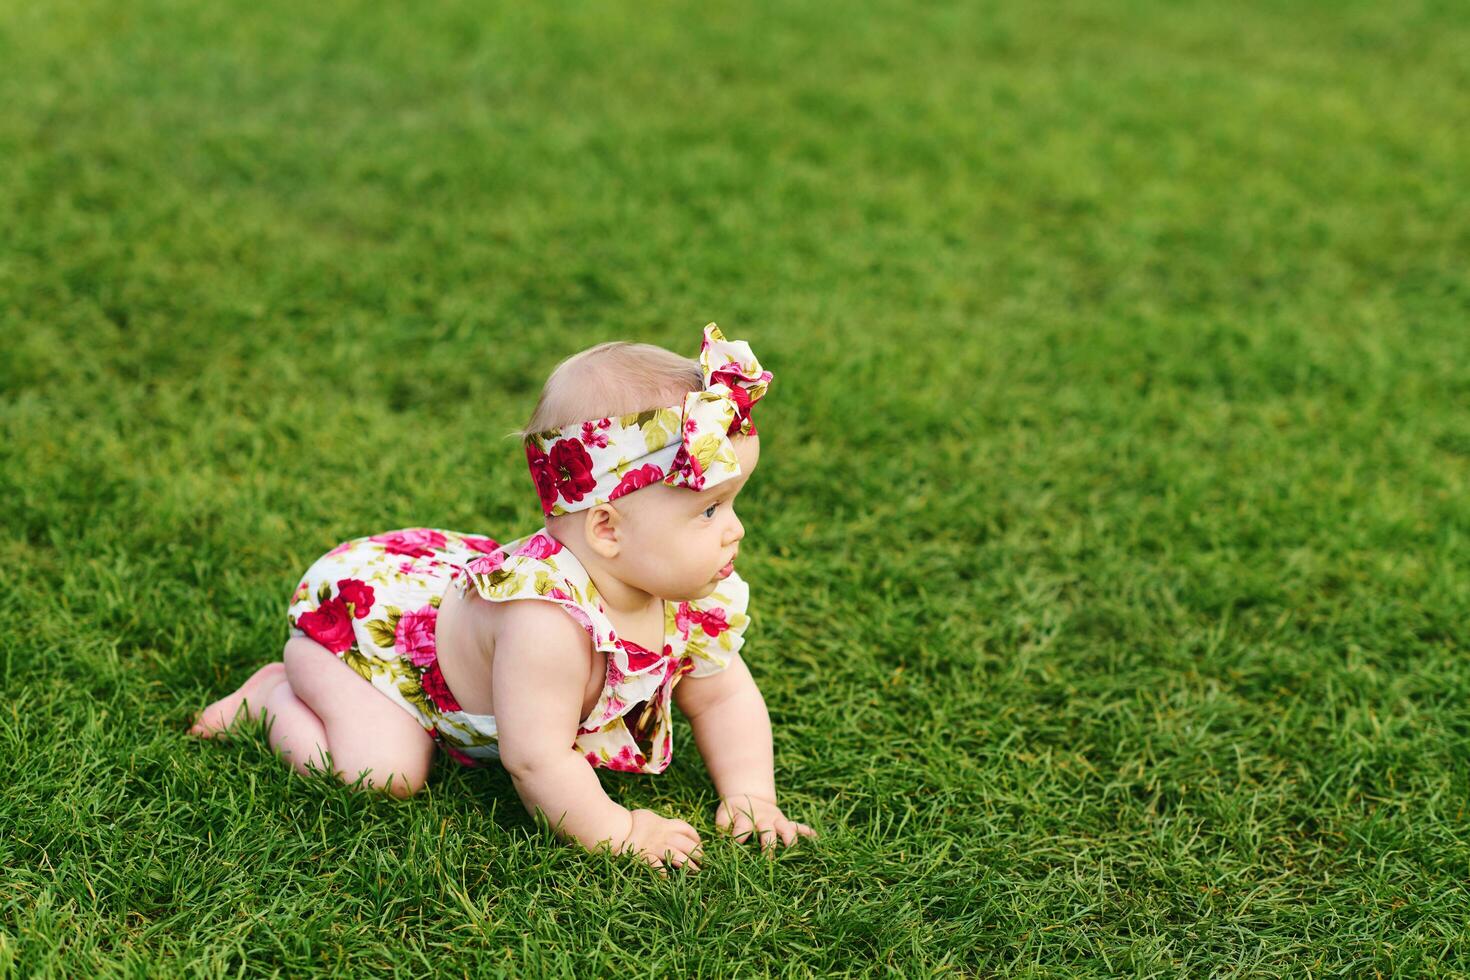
(413, 693)
(726, 456)
(461, 736)
(479, 739)
(353, 658)
(705, 449)
(324, 592)
(669, 422)
(382, 632)
(640, 419)
(671, 419)
(501, 584)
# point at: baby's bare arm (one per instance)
(733, 731)
(540, 670)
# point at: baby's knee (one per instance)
(397, 767)
(401, 785)
(403, 788)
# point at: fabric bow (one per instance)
(710, 417)
(688, 445)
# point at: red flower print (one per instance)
(573, 469)
(457, 755)
(437, 690)
(685, 617)
(688, 468)
(330, 624)
(592, 759)
(414, 637)
(543, 473)
(416, 542)
(690, 427)
(640, 658)
(592, 436)
(580, 615)
(480, 544)
(539, 546)
(486, 564)
(637, 479)
(733, 379)
(628, 759)
(358, 594)
(713, 622)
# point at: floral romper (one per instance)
(374, 602)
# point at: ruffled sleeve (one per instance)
(630, 728)
(713, 628)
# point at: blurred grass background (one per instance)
(1109, 546)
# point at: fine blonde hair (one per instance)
(614, 378)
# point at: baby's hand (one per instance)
(662, 842)
(744, 815)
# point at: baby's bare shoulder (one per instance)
(535, 629)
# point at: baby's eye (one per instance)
(710, 510)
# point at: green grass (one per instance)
(1108, 548)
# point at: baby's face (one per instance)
(678, 540)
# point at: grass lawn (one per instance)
(1108, 549)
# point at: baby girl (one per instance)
(563, 651)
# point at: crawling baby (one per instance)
(562, 651)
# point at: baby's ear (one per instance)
(602, 528)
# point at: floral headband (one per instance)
(585, 464)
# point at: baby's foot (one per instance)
(218, 717)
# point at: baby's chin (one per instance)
(704, 592)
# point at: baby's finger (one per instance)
(805, 831)
(787, 830)
(683, 827)
(768, 841)
(741, 828)
(685, 861)
(676, 855)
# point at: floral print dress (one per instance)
(374, 602)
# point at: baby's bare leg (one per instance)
(242, 705)
(296, 733)
(324, 704)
